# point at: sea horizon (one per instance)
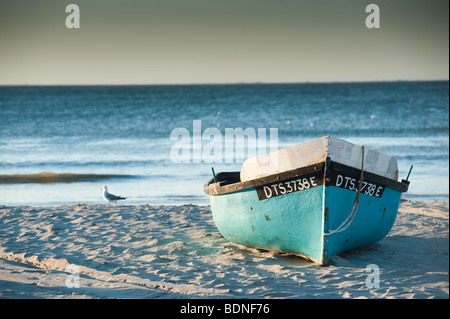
(225, 83)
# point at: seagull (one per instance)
(110, 197)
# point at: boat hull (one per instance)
(301, 221)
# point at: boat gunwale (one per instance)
(215, 188)
(212, 188)
(349, 170)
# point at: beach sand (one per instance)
(177, 252)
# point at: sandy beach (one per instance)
(96, 251)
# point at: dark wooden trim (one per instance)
(354, 172)
(226, 181)
(212, 188)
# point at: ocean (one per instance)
(152, 144)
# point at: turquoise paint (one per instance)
(373, 220)
(291, 223)
(295, 223)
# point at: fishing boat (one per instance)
(315, 199)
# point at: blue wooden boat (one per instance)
(315, 199)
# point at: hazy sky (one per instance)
(226, 41)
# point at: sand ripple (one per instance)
(176, 252)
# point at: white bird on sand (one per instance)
(110, 197)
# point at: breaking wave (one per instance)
(48, 178)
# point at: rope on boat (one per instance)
(349, 220)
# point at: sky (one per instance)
(226, 41)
